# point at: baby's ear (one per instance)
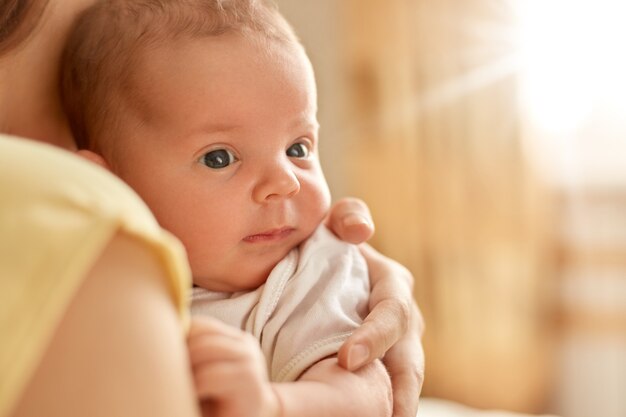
(94, 157)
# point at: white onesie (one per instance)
(311, 302)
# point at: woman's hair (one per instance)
(111, 36)
(18, 18)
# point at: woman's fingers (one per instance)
(382, 328)
(392, 329)
(391, 303)
(404, 360)
(350, 219)
(405, 364)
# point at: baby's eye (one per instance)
(217, 159)
(298, 150)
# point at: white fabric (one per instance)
(311, 302)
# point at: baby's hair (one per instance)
(106, 40)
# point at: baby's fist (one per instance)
(229, 370)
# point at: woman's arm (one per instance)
(119, 350)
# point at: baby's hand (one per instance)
(229, 371)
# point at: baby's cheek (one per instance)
(319, 200)
(325, 197)
(318, 186)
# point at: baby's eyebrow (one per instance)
(306, 123)
(220, 128)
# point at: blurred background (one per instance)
(489, 139)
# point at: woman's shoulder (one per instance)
(27, 162)
(63, 210)
(58, 215)
(37, 173)
(53, 201)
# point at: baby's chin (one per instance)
(241, 278)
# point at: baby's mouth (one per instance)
(271, 235)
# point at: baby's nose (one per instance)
(277, 182)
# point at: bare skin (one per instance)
(103, 345)
(230, 376)
(29, 107)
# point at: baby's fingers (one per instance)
(210, 342)
(220, 380)
(202, 325)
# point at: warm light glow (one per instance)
(572, 58)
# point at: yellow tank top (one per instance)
(57, 213)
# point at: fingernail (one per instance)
(358, 356)
(355, 219)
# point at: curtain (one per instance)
(433, 141)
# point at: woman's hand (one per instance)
(394, 327)
(350, 220)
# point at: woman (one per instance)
(93, 319)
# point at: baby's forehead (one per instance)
(222, 54)
(225, 75)
(256, 42)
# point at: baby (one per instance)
(207, 109)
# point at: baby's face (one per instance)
(223, 148)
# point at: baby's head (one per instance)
(207, 108)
